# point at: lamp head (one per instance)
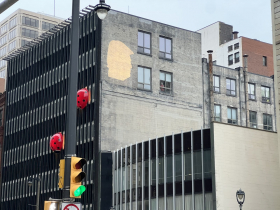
(102, 9)
(240, 196)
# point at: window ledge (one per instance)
(167, 59)
(30, 26)
(253, 100)
(266, 102)
(145, 54)
(217, 92)
(166, 94)
(144, 90)
(231, 95)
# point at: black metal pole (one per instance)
(71, 127)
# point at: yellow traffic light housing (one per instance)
(76, 177)
(61, 174)
(51, 205)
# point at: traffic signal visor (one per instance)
(77, 175)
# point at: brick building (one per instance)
(228, 49)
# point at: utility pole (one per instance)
(71, 127)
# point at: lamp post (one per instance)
(70, 147)
(30, 182)
(101, 10)
(240, 197)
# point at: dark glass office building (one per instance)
(37, 84)
(170, 172)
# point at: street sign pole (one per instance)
(70, 143)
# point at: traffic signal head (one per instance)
(56, 142)
(77, 175)
(61, 174)
(82, 98)
(51, 205)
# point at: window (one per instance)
(3, 51)
(12, 34)
(47, 26)
(230, 48)
(236, 57)
(12, 45)
(216, 83)
(30, 21)
(144, 78)
(265, 94)
(3, 29)
(165, 82)
(165, 48)
(253, 119)
(29, 33)
(232, 117)
(217, 113)
(24, 42)
(230, 87)
(264, 61)
(13, 22)
(236, 46)
(3, 40)
(267, 122)
(2, 64)
(144, 42)
(251, 91)
(230, 59)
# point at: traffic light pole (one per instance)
(71, 127)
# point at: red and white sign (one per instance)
(71, 206)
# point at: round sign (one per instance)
(71, 207)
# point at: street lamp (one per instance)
(30, 181)
(240, 197)
(102, 9)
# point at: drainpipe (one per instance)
(245, 70)
(275, 120)
(211, 85)
(240, 98)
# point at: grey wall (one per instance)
(128, 114)
(225, 32)
(238, 101)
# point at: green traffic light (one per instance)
(79, 191)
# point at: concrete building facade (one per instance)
(248, 159)
(229, 95)
(129, 112)
(228, 49)
(275, 12)
(19, 28)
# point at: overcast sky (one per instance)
(251, 18)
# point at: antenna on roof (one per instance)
(54, 8)
(128, 9)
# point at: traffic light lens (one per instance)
(79, 191)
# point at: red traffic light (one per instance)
(56, 142)
(82, 98)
